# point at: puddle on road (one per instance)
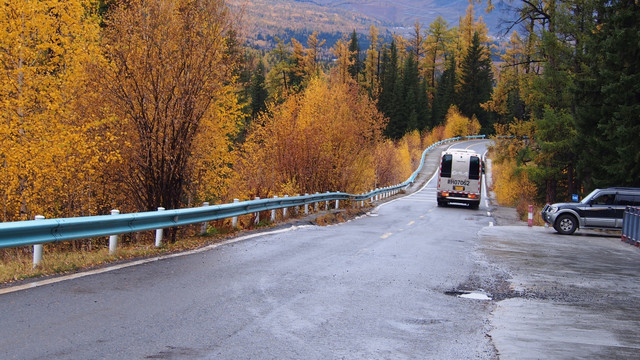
(468, 294)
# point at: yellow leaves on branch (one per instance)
(457, 124)
(47, 159)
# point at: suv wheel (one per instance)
(566, 224)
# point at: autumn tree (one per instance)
(320, 140)
(439, 37)
(372, 63)
(344, 60)
(50, 153)
(169, 63)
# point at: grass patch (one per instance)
(16, 264)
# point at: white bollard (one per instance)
(113, 239)
(337, 204)
(234, 220)
(273, 212)
(326, 204)
(159, 232)
(37, 249)
(306, 206)
(284, 210)
(203, 227)
(258, 213)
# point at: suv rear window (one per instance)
(628, 200)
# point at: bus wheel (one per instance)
(442, 203)
(474, 205)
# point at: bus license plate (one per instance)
(458, 188)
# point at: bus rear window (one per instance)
(474, 168)
(445, 170)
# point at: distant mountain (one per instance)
(264, 19)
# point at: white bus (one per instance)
(460, 177)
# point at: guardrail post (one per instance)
(337, 204)
(326, 204)
(113, 239)
(159, 232)
(273, 212)
(315, 205)
(37, 249)
(284, 210)
(306, 206)
(257, 221)
(234, 220)
(203, 227)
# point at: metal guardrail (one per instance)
(631, 226)
(35, 232)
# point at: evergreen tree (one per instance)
(608, 98)
(476, 83)
(390, 85)
(258, 91)
(445, 93)
(354, 49)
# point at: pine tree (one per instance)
(445, 93)
(608, 109)
(476, 83)
(388, 101)
(258, 92)
(354, 49)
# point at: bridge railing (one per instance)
(631, 226)
(41, 231)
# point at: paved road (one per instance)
(379, 287)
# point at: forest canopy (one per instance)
(140, 104)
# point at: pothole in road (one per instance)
(469, 294)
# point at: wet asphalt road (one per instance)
(378, 287)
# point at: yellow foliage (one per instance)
(457, 124)
(50, 159)
(511, 187)
(393, 163)
(320, 140)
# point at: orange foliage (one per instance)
(320, 140)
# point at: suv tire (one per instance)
(566, 224)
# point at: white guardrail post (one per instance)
(273, 211)
(159, 232)
(234, 220)
(257, 214)
(306, 206)
(203, 226)
(113, 239)
(37, 249)
(284, 210)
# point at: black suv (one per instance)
(601, 209)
